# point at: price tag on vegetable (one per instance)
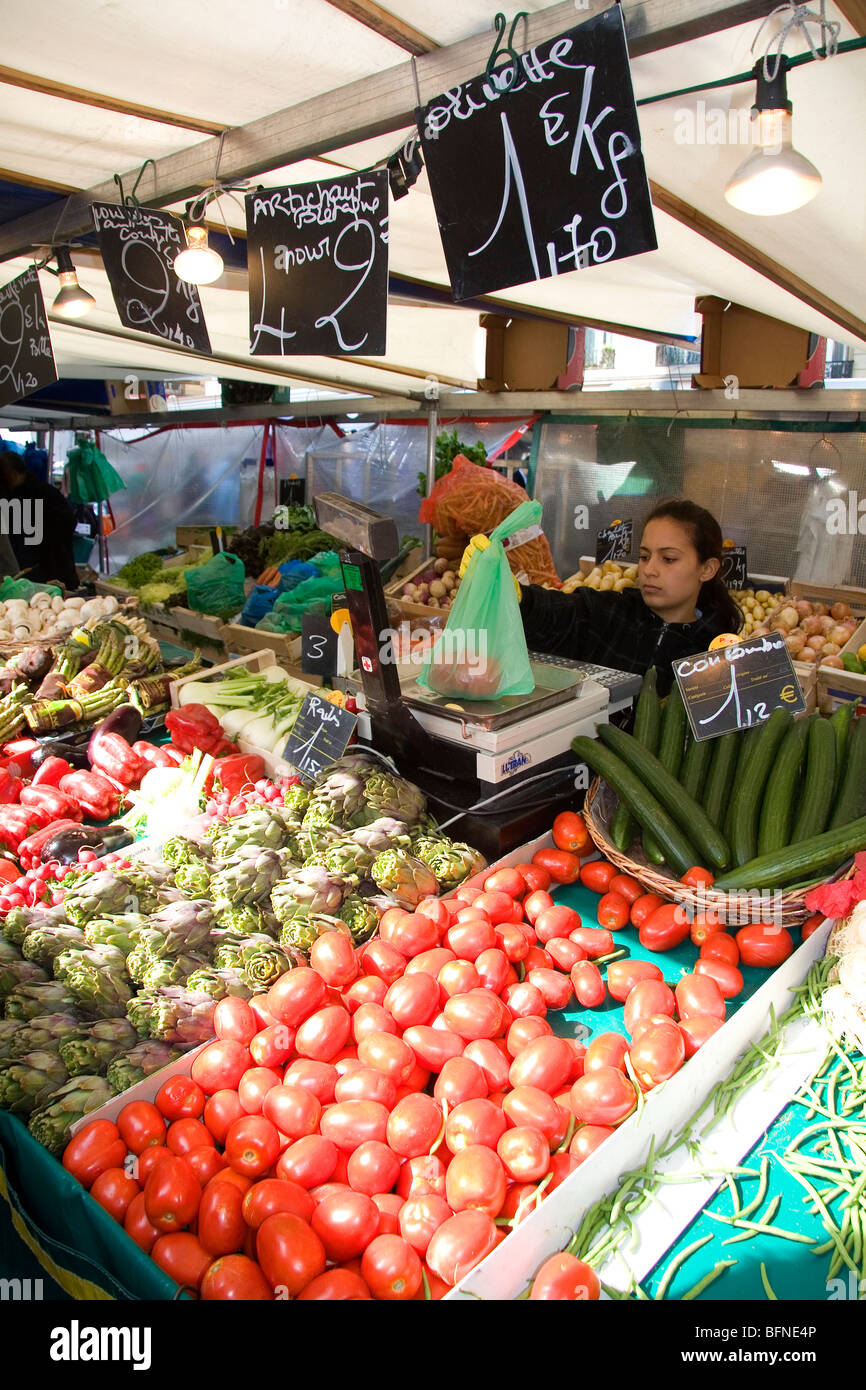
(320, 735)
(738, 686)
(734, 572)
(614, 542)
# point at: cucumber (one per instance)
(796, 863)
(840, 723)
(820, 782)
(722, 769)
(647, 724)
(777, 807)
(695, 767)
(850, 801)
(746, 749)
(670, 755)
(648, 812)
(744, 812)
(688, 814)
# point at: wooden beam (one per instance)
(757, 260)
(13, 176)
(13, 78)
(382, 22)
(371, 106)
(855, 13)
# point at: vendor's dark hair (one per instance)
(706, 537)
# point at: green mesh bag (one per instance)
(218, 586)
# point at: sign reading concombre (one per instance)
(738, 686)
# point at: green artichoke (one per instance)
(193, 879)
(89, 1053)
(139, 1062)
(102, 895)
(20, 972)
(97, 979)
(219, 983)
(300, 933)
(172, 970)
(43, 1033)
(51, 1124)
(452, 861)
(20, 920)
(360, 916)
(178, 851)
(172, 1014)
(247, 880)
(10, 1030)
(386, 794)
(184, 925)
(407, 879)
(261, 828)
(383, 833)
(30, 1001)
(296, 799)
(121, 931)
(262, 962)
(246, 921)
(8, 951)
(30, 1081)
(43, 944)
(306, 891)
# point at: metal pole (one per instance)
(432, 428)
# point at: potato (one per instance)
(612, 567)
(595, 573)
(630, 572)
(607, 582)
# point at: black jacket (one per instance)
(611, 629)
(47, 551)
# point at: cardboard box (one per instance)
(758, 350)
(522, 354)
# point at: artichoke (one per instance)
(407, 879)
(263, 827)
(19, 920)
(20, 972)
(140, 1061)
(101, 895)
(259, 959)
(219, 983)
(248, 880)
(10, 1031)
(90, 1052)
(360, 916)
(97, 979)
(171, 970)
(452, 861)
(337, 798)
(300, 933)
(172, 1014)
(120, 931)
(347, 859)
(247, 921)
(386, 794)
(306, 891)
(296, 799)
(193, 879)
(30, 1081)
(43, 1033)
(31, 1001)
(383, 833)
(184, 925)
(51, 1124)
(43, 944)
(8, 951)
(178, 851)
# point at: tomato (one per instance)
(309, 1161)
(137, 1225)
(726, 976)
(388, 1054)
(594, 941)
(140, 1124)
(665, 928)
(325, 1033)
(273, 1045)
(697, 877)
(811, 926)
(647, 1021)
(185, 1135)
(236, 1278)
(524, 1031)
(296, 995)
(628, 887)
(596, 875)
(567, 1279)
(433, 1046)
(263, 1016)
(468, 939)
(172, 1194)
(562, 1165)
(183, 1258)
(491, 1057)
(643, 906)
(477, 1014)
(438, 911)
(412, 934)
(294, 1110)
(565, 953)
(460, 1243)
(534, 878)
(658, 1053)
(605, 1050)
(587, 1139)
(366, 989)
(391, 1269)
(474, 1122)
(220, 1065)
(457, 977)
(255, 1084)
(603, 1097)
(271, 1195)
(227, 1174)
(525, 1000)
(612, 911)
(493, 969)
(252, 1145)
(420, 1176)
(373, 1168)
(413, 1125)
(532, 1107)
(589, 988)
(704, 926)
(508, 881)
(147, 1161)
(233, 1018)
(562, 866)
(417, 1080)
(460, 1079)
(764, 944)
(554, 987)
(345, 1223)
(697, 994)
(338, 1285)
(430, 962)
(535, 904)
(696, 1031)
(220, 1110)
(412, 999)
(290, 1252)
(221, 1224)
(180, 1098)
(332, 956)
(720, 946)
(114, 1189)
(373, 1018)
(205, 1162)
(623, 975)
(420, 1218)
(537, 958)
(367, 1083)
(511, 941)
(472, 914)
(498, 906)
(556, 921)
(545, 1062)
(570, 832)
(318, 1077)
(647, 998)
(93, 1150)
(350, 1122)
(476, 1178)
(524, 1153)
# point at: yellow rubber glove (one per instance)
(478, 543)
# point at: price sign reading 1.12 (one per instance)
(739, 686)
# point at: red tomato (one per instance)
(412, 934)
(665, 928)
(474, 1122)
(387, 1053)
(367, 1083)
(534, 878)
(183, 1257)
(254, 1086)
(293, 1110)
(545, 1062)
(325, 1033)
(565, 953)
(263, 1016)
(438, 911)
(233, 1018)
(148, 1160)
(390, 1206)
(180, 1098)
(587, 1139)
(472, 914)
(140, 1124)
(273, 1046)
(603, 1096)
(218, 1066)
(567, 1279)
(412, 999)
(525, 1000)
(696, 1031)
(309, 1161)
(562, 1165)
(227, 1174)
(523, 1031)
(524, 1153)
(221, 1225)
(457, 977)
(460, 1079)
(468, 939)
(345, 1223)
(220, 1110)
(589, 987)
(594, 941)
(114, 1190)
(491, 1057)
(532, 1107)
(338, 1285)
(556, 921)
(605, 1050)
(720, 946)
(506, 880)
(698, 994)
(658, 1053)
(252, 1145)
(492, 969)
(296, 995)
(271, 1195)
(367, 989)
(137, 1225)
(372, 1018)
(697, 877)
(236, 1278)
(764, 944)
(172, 1194)
(318, 1077)
(476, 1178)
(626, 886)
(93, 1150)
(205, 1162)
(421, 1217)
(477, 1014)
(413, 1125)
(430, 962)
(373, 1168)
(332, 956)
(537, 958)
(391, 1269)
(433, 1046)
(726, 976)
(647, 998)
(623, 975)
(290, 1253)
(511, 941)
(498, 906)
(349, 1123)
(811, 926)
(570, 832)
(554, 987)
(185, 1135)
(596, 875)
(562, 866)
(423, 1174)
(643, 906)
(460, 1244)
(704, 926)
(612, 911)
(535, 904)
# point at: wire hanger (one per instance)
(798, 17)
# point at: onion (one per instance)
(804, 608)
(838, 634)
(810, 626)
(840, 610)
(788, 617)
(816, 642)
(835, 661)
(827, 624)
(796, 641)
(820, 610)
(808, 654)
(830, 649)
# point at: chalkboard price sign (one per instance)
(318, 645)
(734, 573)
(739, 686)
(26, 356)
(544, 177)
(614, 542)
(138, 248)
(318, 267)
(320, 735)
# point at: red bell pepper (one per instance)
(110, 753)
(21, 751)
(49, 773)
(10, 787)
(153, 756)
(239, 771)
(193, 726)
(17, 822)
(93, 793)
(30, 850)
(52, 801)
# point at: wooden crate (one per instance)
(286, 647)
(837, 687)
(413, 610)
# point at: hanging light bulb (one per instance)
(71, 300)
(199, 264)
(775, 178)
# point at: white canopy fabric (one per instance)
(218, 64)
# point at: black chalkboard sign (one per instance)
(138, 247)
(318, 645)
(318, 267)
(544, 178)
(320, 735)
(734, 573)
(26, 356)
(614, 542)
(739, 686)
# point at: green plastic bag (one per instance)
(218, 586)
(91, 477)
(311, 596)
(25, 588)
(482, 652)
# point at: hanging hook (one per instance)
(129, 200)
(491, 71)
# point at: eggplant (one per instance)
(126, 720)
(74, 753)
(64, 846)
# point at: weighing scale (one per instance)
(505, 766)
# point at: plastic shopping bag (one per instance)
(218, 586)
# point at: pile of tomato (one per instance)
(375, 1124)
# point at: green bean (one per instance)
(676, 1263)
(828, 1222)
(766, 1283)
(708, 1279)
(612, 955)
(735, 1196)
(763, 1228)
(761, 1193)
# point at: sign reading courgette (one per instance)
(739, 686)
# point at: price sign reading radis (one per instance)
(738, 687)
(320, 735)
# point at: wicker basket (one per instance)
(789, 909)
